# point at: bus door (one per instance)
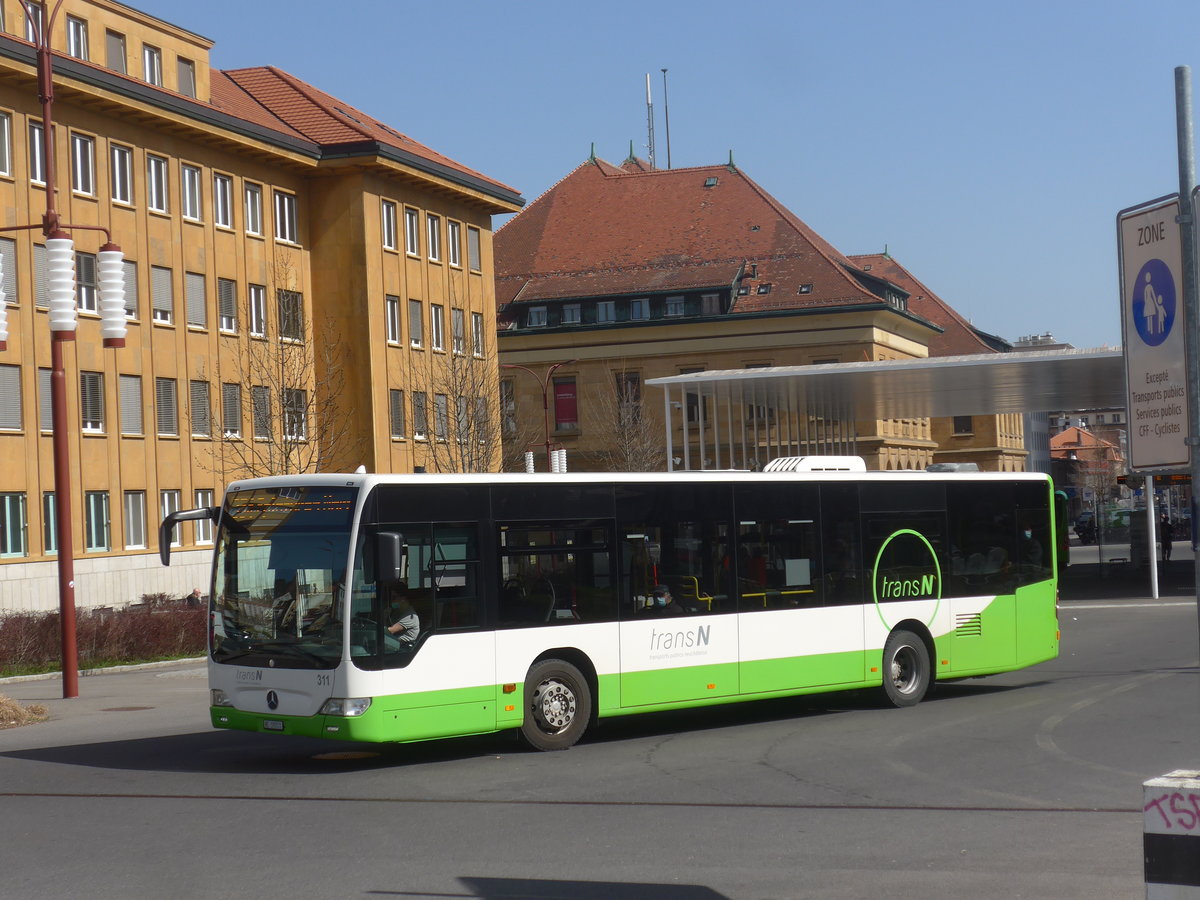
(679, 638)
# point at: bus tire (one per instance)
(906, 668)
(558, 705)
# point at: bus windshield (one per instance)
(280, 575)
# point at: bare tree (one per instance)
(466, 434)
(299, 418)
(635, 441)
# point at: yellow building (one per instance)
(626, 274)
(305, 287)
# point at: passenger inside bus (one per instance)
(662, 603)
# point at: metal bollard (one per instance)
(1171, 838)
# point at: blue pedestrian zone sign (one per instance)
(1153, 328)
(1154, 302)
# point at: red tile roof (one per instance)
(1083, 444)
(958, 336)
(605, 230)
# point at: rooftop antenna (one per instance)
(650, 121)
(667, 117)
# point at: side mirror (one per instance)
(173, 519)
(390, 558)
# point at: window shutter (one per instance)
(161, 293)
(45, 407)
(201, 414)
(8, 253)
(10, 397)
(40, 287)
(231, 409)
(261, 400)
(193, 289)
(131, 296)
(164, 396)
(131, 404)
(227, 301)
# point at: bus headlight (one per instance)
(220, 698)
(345, 706)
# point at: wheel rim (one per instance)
(905, 669)
(553, 706)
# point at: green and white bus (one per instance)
(409, 607)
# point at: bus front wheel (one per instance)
(558, 705)
(906, 668)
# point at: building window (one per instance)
(96, 522)
(169, 503)
(186, 77)
(193, 296)
(295, 414)
(204, 527)
(419, 417)
(201, 410)
(135, 520)
(260, 403)
(536, 317)
(606, 311)
(91, 402)
(129, 276)
(83, 164)
(258, 310)
(508, 409)
(231, 410)
(454, 243)
(156, 183)
(415, 336)
(8, 258)
(639, 309)
(441, 417)
(189, 177)
(396, 412)
(86, 292)
(162, 295)
(433, 231)
(285, 217)
(437, 339)
(962, 425)
(629, 398)
(130, 390)
(675, 306)
(566, 406)
(10, 398)
(77, 38)
(710, 304)
(152, 65)
(5, 144)
(572, 314)
(223, 201)
(458, 332)
(114, 52)
(391, 305)
(37, 154)
(388, 224)
(474, 257)
(33, 26)
(253, 209)
(122, 173)
(412, 234)
(477, 338)
(227, 304)
(49, 523)
(45, 408)
(166, 407)
(13, 525)
(291, 315)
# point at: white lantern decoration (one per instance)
(3, 309)
(111, 278)
(60, 278)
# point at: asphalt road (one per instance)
(1021, 785)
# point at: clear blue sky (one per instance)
(987, 146)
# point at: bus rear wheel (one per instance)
(558, 705)
(906, 668)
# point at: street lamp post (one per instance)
(544, 381)
(60, 271)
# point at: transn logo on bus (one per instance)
(906, 568)
(678, 640)
(249, 675)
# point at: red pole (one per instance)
(62, 513)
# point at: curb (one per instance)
(105, 670)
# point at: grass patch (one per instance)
(14, 714)
(158, 628)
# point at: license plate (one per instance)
(273, 724)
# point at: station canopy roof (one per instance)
(978, 384)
